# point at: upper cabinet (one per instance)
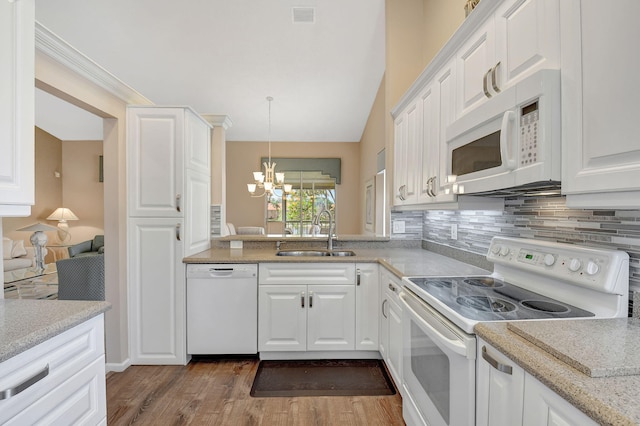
(17, 50)
(521, 37)
(601, 148)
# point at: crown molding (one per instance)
(218, 120)
(62, 52)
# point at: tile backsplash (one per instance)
(546, 218)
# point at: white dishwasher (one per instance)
(222, 309)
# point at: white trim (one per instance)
(56, 48)
(118, 367)
(218, 120)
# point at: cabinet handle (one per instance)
(507, 369)
(383, 303)
(302, 299)
(357, 276)
(178, 232)
(485, 84)
(494, 78)
(178, 202)
(310, 299)
(8, 393)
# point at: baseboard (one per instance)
(320, 355)
(117, 367)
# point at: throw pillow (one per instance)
(18, 249)
(7, 246)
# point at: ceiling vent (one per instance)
(304, 15)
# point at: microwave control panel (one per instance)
(529, 126)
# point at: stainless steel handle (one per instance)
(357, 276)
(494, 78)
(302, 299)
(507, 369)
(485, 84)
(310, 299)
(178, 232)
(385, 301)
(392, 287)
(8, 393)
(178, 196)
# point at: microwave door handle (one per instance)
(505, 139)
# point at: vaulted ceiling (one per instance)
(227, 56)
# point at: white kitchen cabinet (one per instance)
(68, 379)
(544, 407)
(367, 301)
(306, 307)
(499, 388)
(521, 37)
(391, 325)
(601, 152)
(407, 155)
(17, 162)
(157, 291)
(508, 395)
(169, 181)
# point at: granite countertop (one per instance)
(27, 323)
(400, 261)
(610, 400)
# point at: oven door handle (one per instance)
(454, 345)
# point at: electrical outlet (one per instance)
(454, 231)
(398, 226)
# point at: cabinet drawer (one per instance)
(307, 273)
(64, 355)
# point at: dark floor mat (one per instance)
(322, 378)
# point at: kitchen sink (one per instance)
(316, 253)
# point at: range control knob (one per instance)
(504, 251)
(549, 259)
(495, 249)
(574, 265)
(592, 268)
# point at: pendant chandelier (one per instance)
(266, 181)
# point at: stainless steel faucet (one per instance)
(330, 233)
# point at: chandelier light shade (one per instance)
(268, 181)
(62, 215)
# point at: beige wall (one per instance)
(82, 192)
(441, 19)
(244, 157)
(48, 153)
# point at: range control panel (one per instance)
(590, 267)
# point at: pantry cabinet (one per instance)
(601, 152)
(17, 162)
(306, 307)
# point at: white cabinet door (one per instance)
(197, 155)
(331, 317)
(407, 164)
(197, 216)
(391, 325)
(500, 388)
(430, 143)
(282, 318)
(367, 301)
(17, 158)
(600, 151)
(399, 158)
(157, 294)
(394, 359)
(543, 407)
(155, 161)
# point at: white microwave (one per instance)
(511, 143)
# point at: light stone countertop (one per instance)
(27, 323)
(607, 400)
(400, 261)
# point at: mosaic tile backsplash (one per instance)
(546, 218)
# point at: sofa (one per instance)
(88, 248)
(16, 256)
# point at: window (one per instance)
(294, 213)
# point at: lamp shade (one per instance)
(62, 213)
(38, 227)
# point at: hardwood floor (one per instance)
(216, 392)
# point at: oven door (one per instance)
(438, 367)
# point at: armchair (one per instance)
(81, 278)
(88, 248)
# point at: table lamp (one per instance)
(62, 215)
(38, 240)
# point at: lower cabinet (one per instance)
(391, 325)
(507, 395)
(60, 381)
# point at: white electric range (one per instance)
(532, 280)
